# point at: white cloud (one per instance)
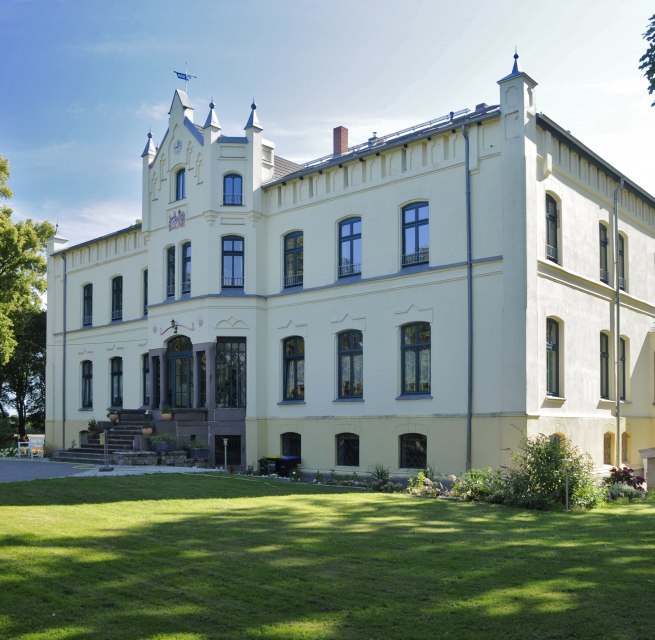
(157, 111)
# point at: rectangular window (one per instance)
(604, 366)
(116, 382)
(87, 305)
(552, 358)
(552, 222)
(145, 292)
(604, 272)
(293, 259)
(348, 450)
(415, 358)
(145, 376)
(294, 368)
(233, 262)
(416, 234)
(180, 187)
(350, 354)
(170, 272)
(232, 190)
(201, 359)
(117, 298)
(621, 265)
(622, 369)
(186, 267)
(156, 382)
(231, 373)
(87, 384)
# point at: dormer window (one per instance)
(180, 189)
(232, 190)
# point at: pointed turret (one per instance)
(150, 149)
(212, 128)
(253, 120)
(181, 106)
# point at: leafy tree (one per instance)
(22, 379)
(647, 61)
(22, 266)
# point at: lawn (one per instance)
(191, 557)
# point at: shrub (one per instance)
(7, 428)
(620, 490)
(424, 485)
(538, 477)
(485, 485)
(380, 480)
(626, 476)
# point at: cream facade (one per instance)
(428, 297)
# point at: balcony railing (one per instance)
(170, 290)
(233, 283)
(117, 314)
(622, 283)
(604, 275)
(348, 269)
(551, 252)
(419, 257)
(87, 321)
(186, 285)
(232, 200)
(293, 281)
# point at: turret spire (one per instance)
(212, 118)
(150, 149)
(253, 120)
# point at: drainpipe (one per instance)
(63, 376)
(469, 292)
(617, 336)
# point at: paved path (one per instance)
(15, 470)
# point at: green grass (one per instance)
(198, 556)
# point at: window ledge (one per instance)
(291, 402)
(415, 396)
(85, 409)
(559, 400)
(348, 400)
(413, 268)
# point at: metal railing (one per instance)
(233, 282)
(419, 257)
(293, 281)
(117, 314)
(348, 269)
(232, 200)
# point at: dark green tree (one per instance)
(647, 61)
(22, 266)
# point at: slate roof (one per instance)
(284, 167)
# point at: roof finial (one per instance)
(515, 68)
(150, 149)
(253, 120)
(212, 118)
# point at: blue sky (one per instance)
(84, 80)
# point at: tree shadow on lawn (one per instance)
(337, 567)
(157, 486)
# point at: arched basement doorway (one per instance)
(179, 360)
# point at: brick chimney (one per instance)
(339, 140)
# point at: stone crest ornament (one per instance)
(176, 220)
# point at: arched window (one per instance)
(179, 372)
(87, 305)
(186, 267)
(603, 252)
(416, 234)
(117, 298)
(180, 187)
(415, 358)
(293, 259)
(233, 262)
(290, 444)
(87, 384)
(116, 391)
(413, 451)
(552, 358)
(552, 226)
(350, 354)
(347, 449)
(350, 247)
(294, 368)
(608, 448)
(232, 189)
(604, 366)
(625, 446)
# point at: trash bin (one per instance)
(267, 466)
(284, 465)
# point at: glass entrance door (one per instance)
(180, 372)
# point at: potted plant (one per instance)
(198, 450)
(147, 429)
(166, 413)
(163, 442)
(112, 414)
(92, 428)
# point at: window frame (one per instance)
(604, 366)
(421, 256)
(347, 449)
(350, 353)
(145, 292)
(603, 247)
(170, 272)
(145, 379)
(180, 184)
(293, 362)
(622, 369)
(186, 268)
(232, 255)
(116, 382)
(408, 446)
(621, 261)
(116, 298)
(553, 385)
(291, 444)
(230, 196)
(350, 244)
(552, 229)
(416, 348)
(87, 384)
(87, 305)
(293, 271)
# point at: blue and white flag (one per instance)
(183, 76)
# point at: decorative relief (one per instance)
(354, 322)
(176, 220)
(231, 323)
(416, 313)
